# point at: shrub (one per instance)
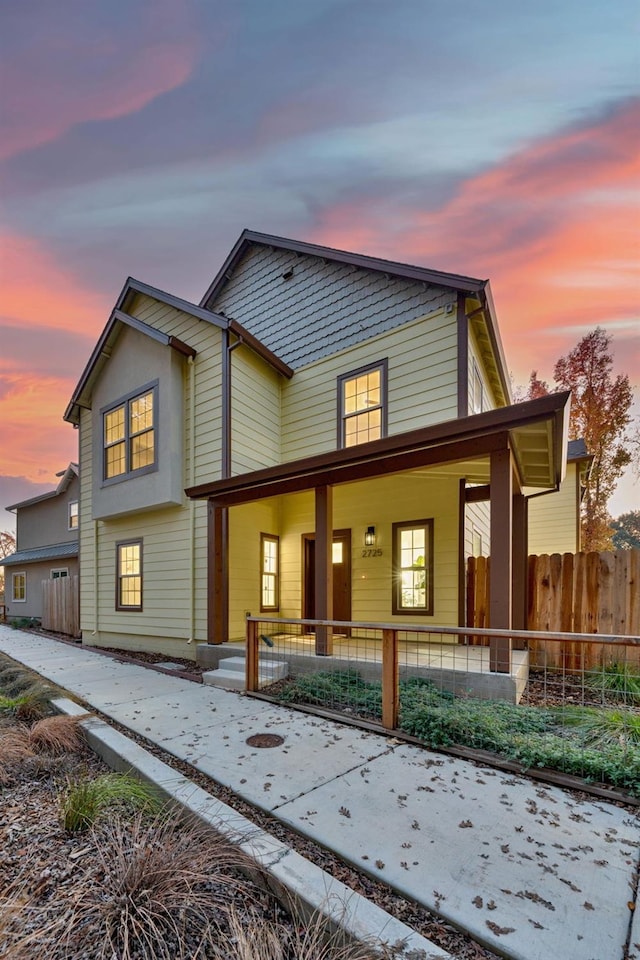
(85, 800)
(57, 735)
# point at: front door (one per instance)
(341, 555)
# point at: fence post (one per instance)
(252, 655)
(390, 687)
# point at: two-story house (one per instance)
(319, 437)
(46, 545)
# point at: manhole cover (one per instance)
(265, 740)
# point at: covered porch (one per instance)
(501, 456)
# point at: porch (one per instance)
(439, 654)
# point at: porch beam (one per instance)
(324, 569)
(217, 573)
(500, 595)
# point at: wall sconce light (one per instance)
(370, 537)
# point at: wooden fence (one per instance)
(569, 593)
(61, 605)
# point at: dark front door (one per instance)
(341, 556)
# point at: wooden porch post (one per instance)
(520, 566)
(324, 569)
(500, 596)
(217, 573)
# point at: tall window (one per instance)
(19, 592)
(362, 405)
(270, 572)
(129, 435)
(413, 567)
(73, 515)
(129, 575)
(477, 391)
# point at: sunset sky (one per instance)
(138, 137)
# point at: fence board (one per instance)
(571, 593)
(61, 605)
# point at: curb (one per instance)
(290, 877)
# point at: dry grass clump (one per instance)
(15, 750)
(57, 735)
(29, 704)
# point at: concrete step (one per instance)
(231, 674)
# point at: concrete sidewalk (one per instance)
(525, 868)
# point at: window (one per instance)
(362, 406)
(59, 572)
(129, 435)
(477, 391)
(73, 515)
(413, 567)
(19, 592)
(269, 577)
(129, 575)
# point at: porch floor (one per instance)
(462, 669)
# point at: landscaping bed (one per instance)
(57, 885)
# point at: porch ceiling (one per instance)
(535, 431)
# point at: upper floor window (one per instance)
(413, 567)
(73, 515)
(362, 405)
(270, 563)
(129, 575)
(129, 434)
(477, 391)
(19, 591)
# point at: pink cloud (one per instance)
(81, 75)
(555, 228)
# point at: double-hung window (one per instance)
(129, 575)
(270, 572)
(73, 515)
(413, 567)
(19, 591)
(362, 405)
(129, 434)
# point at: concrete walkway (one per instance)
(525, 868)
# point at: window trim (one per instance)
(129, 607)
(62, 572)
(70, 516)
(383, 367)
(272, 538)
(125, 402)
(396, 606)
(14, 577)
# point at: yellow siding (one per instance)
(474, 356)
(553, 519)
(86, 529)
(255, 412)
(246, 523)
(422, 385)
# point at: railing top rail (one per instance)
(620, 639)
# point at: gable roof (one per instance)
(476, 290)
(67, 475)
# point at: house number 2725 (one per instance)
(372, 552)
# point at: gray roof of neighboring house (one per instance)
(56, 551)
(67, 475)
(577, 450)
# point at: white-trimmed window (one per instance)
(477, 390)
(73, 515)
(129, 575)
(362, 405)
(270, 572)
(129, 434)
(19, 587)
(58, 572)
(413, 567)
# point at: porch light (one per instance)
(370, 537)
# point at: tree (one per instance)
(600, 405)
(7, 546)
(626, 529)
